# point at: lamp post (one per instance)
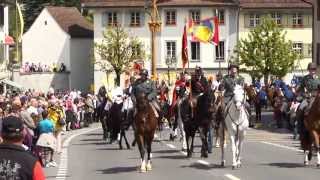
(170, 62)
(154, 26)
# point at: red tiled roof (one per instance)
(141, 3)
(71, 21)
(251, 4)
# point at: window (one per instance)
(221, 16)
(1, 16)
(297, 20)
(195, 16)
(220, 51)
(318, 10)
(135, 19)
(318, 54)
(136, 51)
(276, 17)
(171, 49)
(254, 20)
(298, 48)
(171, 18)
(195, 51)
(112, 19)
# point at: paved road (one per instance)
(267, 156)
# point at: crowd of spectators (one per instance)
(38, 68)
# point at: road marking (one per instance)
(63, 166)
(203, 162)
(282, 146)
(171, 146)
(232, 177)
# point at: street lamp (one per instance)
(154, 26)
(171, 61)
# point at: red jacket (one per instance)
(179, 83)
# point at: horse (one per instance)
(184, 119)
(254, 100)
(204, 116)
(145, 122)
(310, 133)
(100, 111)
(236, 122)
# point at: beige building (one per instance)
(294, 16)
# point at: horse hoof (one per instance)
(239, 166)
(223, 163)
(149, 167)
(318, 164)
(306, 163)
(234, 167)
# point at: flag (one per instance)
(190, 26)
(215, 38)
(184, 48)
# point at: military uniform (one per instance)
(228, 83)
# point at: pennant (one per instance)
(184, 48)
(215, 38)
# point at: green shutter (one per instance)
(307, 51)
(127, 18)
(284, 20)
(305, 20)
(247, 21)
(104, 19)
(290, 20)
(142, 18)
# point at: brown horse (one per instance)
(145, 122)
(254, 100)
(312, 125)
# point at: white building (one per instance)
(174, 14)
(4, 37)
(59, 35)
(295, 18)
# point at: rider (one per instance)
(230, 81)
(199, 84)
(307, 91)
(147, 86)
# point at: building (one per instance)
(294, 16)
(5, 39)
(174, 14)
(59, 35)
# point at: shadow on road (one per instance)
(286, 165)
(94, 134)
(165, 151)
(109, 149)
(91, 143)
(117, 170)
(202, 167)
(95, 139)
(171, 157)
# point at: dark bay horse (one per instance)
(310, 133)
(204, 116)
(145, 122)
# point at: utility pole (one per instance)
(154, 26)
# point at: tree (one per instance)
(266, 51)
(118, 50)
(32, 8)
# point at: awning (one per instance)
(8, 40)
(11, 83)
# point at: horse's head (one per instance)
(142, 101)
(238, 96)
(210, 94)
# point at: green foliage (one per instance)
(266, 51)
(118, 50)
(32, 8)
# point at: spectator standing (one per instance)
(15, 161)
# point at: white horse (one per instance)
(236, 122)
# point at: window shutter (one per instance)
(247, 21)
(104, 19)
(307, 20)
(290, 20)
(142, 18)
(306, 51)
(127, 18)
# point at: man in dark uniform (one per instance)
(230, 81)
(308, 89)
(147, 86)
(199, 85)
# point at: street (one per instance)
(267, 155)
